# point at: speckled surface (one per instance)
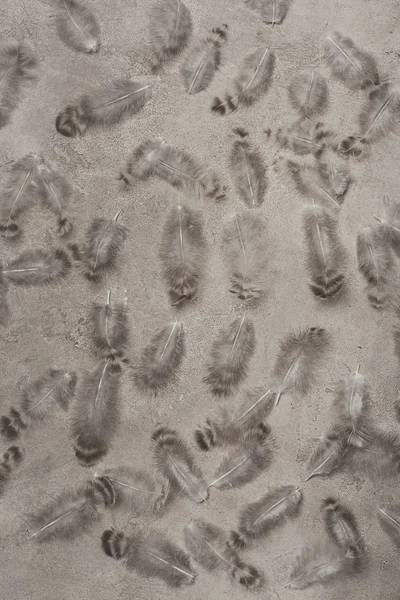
(49, 326)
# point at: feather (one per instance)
(202, 61)
(54, 388)
(230, 355)
(330, 453)
(176, 167)
(375, 261)
(389, 518)
(37, 267)
(350, 407)
(258, 518)
(8, 462)
(55, 194)
(21, 186)
(303, 136)
(138, 490)
(170, 29)
(77, 26)
(110, 328)
(17, 66)
(104, 106)
(95, 412)
(252, 82)
(379, 458)
(341, 526)
(175, 462)
(308, 93)
(298, 356)
(4, 308)
(104, 239)
(271, 11)
(182, 253)
(356, 68)
(309, 183)
(325, 254)
(161, 359)
(248, 172)
(208, 545)
(245, 462)
(151, 554)
(390, 224)
(334, 172)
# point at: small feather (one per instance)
(389, 518)
(341, 526)
(303, 137)
(376, 263)
(308, 93)
(110, 328)
(104, 239)
(202, 62)
(77, 26)
(4, 308)
(350, 407)
(55, 194)
(390, 224)
(248, 172)
(271, 11)
(309, 183)
(37, 267)
(334, 172)
(17, 66)
(170, 29)
(8, 462)
(379, 457)
(353, 66)
(330, 454)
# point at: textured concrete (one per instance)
(49, 326)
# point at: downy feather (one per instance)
(175, 462)
(303, 136)
(170, 29)
(376, 263)
(325, 254)
(390, 224)
(161, 359)
(271, 11)
(258, 518)
(310, 184)
(342, 528)
(330, 454)
(308, 93)
(150, 554)
(104, 239)
(252, 82)
(110, 328)
(207, 543)
(356, 68)
(8, 462)
(37, 267)
(77, 26)
(334, 172)
(202, 61)
(4, 308)
(182, 253)
(297, 360)
(55, 194)
(248, 171)
(389, 518)
(379, 458)
(95, 412)
(230, 356)
(350, 407)
(53, 389)
(17, 66)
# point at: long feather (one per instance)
(389, 518)
(342, 528)
(376, 263)
(182, 253)
(248, 171)
(310, 184)
(330, 454)
(350, 407)
(252, 82)
(325, 254)
(104, 106)
(272, 12)
(54, 388)
(170, 29)
(110, 328)
(333, 171)
(308, 93)
(390, 224)
(17, 66)
(379, 457)
(208, 545)
(55, 194)
(303, 136)
(297, 359)
(151, 554)
(176, 463)
(37, 267)
(104, 239)
(161, 358)
(8, 462)
(95, 412)
(258, 518)
(202, 61)
(353, 66)
(77, 26)
(230, 356)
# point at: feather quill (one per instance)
(389, 518)
(8, 462)
(175, 462)
(110, 328)
(17, 66)
(308, 93)
(95, 412)
(230, 356)
(342, 528)
(182, 253)
(170, 29)
(104, 239)
(272, 12)
(333, 171)
(150, 554)
(330, 453)
(55, 194)
(77, 26)
(202, 61)
(350, 407)
(356, 68)
(376, 263)
(208, 545)
(248, 171)
(161, 358)
(252, 82)
(310, 184)
(379, 458)
(37, 267)
(303, 136)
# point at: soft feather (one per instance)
(389, 518)
(37, 267)
(350, 407)
(353, 66)
(390, 224)
(110, 328)
(17, 66)
(379, 457)
(342, 528)
(312, 185)
(330, 454)
(308, 93)
(170, 29)
(77, 26)
(230, 356)
(55, 194)
(202, 61)
(376, 263)
(8, 462)
(303, 136)
(4, 308)
(104, 239)
(272, 12)
(334, 172)
(248, 171)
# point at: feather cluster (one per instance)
(104, 239)
(248, 170)
(308, 93)
(110, 328)
(170, 29)
(17, 66)
(8, 462)
(376, 263)
(202, 61)
(77, 26)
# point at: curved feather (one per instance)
(321, 564)
(330, 453)
(376, 263)
(334, 172)
(248, 172)
(308, 93)
(350, 407)
(77, 26)
(37, 267)
(309, 183)
(342, 528)
(202, 62)
(17, 66)
(110, 328)
(353, 66)
(170, 29)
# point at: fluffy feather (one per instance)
(252, 82)
(55, 194)
(37, 267)
(104, 106)
(350, 407)
(170, 29)
(303, 136)
(390, 224)
(202, 61)
(17, 66)
(248, 172)
(325, 254)
(389, 518)
(271, 11)
(297, 359)
(341, 526)
(308, 93)
(379, 458)
(9, 461)
(182, 253)
(330, 453)
(334, 172)
(110, 328)
(230, 355)
(104, 239)
(77, 26)
(309, 183)
(207, 543)
(95, 412)
(54, 388)
(258, 518)
(151, 554)
(161, 358)
(376, 263)
(4, 308)
(354, 67)
(176, 463)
